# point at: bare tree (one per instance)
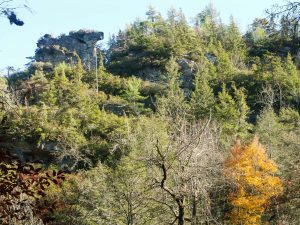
(8, 97)
(290, 10)
(183, 163)
(288, 14)
(267, 97)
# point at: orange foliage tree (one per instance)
(252, 172)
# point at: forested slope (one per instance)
(185, 123)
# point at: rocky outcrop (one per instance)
(68, 48)
(26, 152)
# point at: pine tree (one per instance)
(270, 130)
(152, 14)
(132, 94)
(173, 104)
(226, 112)
(243, 111)
(207, 24)
(292, 80)
(58, 87)
(234, 44)
(282, 76)
(202, 98)
(290, 67)
(225, 69)
(232, 114)
(250, 169)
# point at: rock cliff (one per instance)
(69, 48)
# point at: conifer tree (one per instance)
(58, 88)
(282, 76)
(270, 130)
(290, 66)
(243, 126)
(235, 44)
(173, 104)
(152, 14)
(292, 76)
(226, 111)
(225, 69)
(132, 93)
(202, 101)
(207, 24)
(232, 114)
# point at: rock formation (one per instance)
(68, 48)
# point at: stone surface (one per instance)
(69, 48)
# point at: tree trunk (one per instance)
(194, 211)
(180, 211)
(130, 215)
(295, 37)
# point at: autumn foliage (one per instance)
(22, 186)
(252, 174)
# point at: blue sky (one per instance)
(61, 16)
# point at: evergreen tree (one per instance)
(153, 14)
(292, 80)
(225, 68)
(226, 112)
(207, 24)
(243, 126)
(202, 98)
(235, 44)
(173, 104)
(281, 76)
(132, 94)
(59, 87)
(232, 114)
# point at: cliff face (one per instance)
(69, 48)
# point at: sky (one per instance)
(61, 16)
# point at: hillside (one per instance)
(172, 123)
